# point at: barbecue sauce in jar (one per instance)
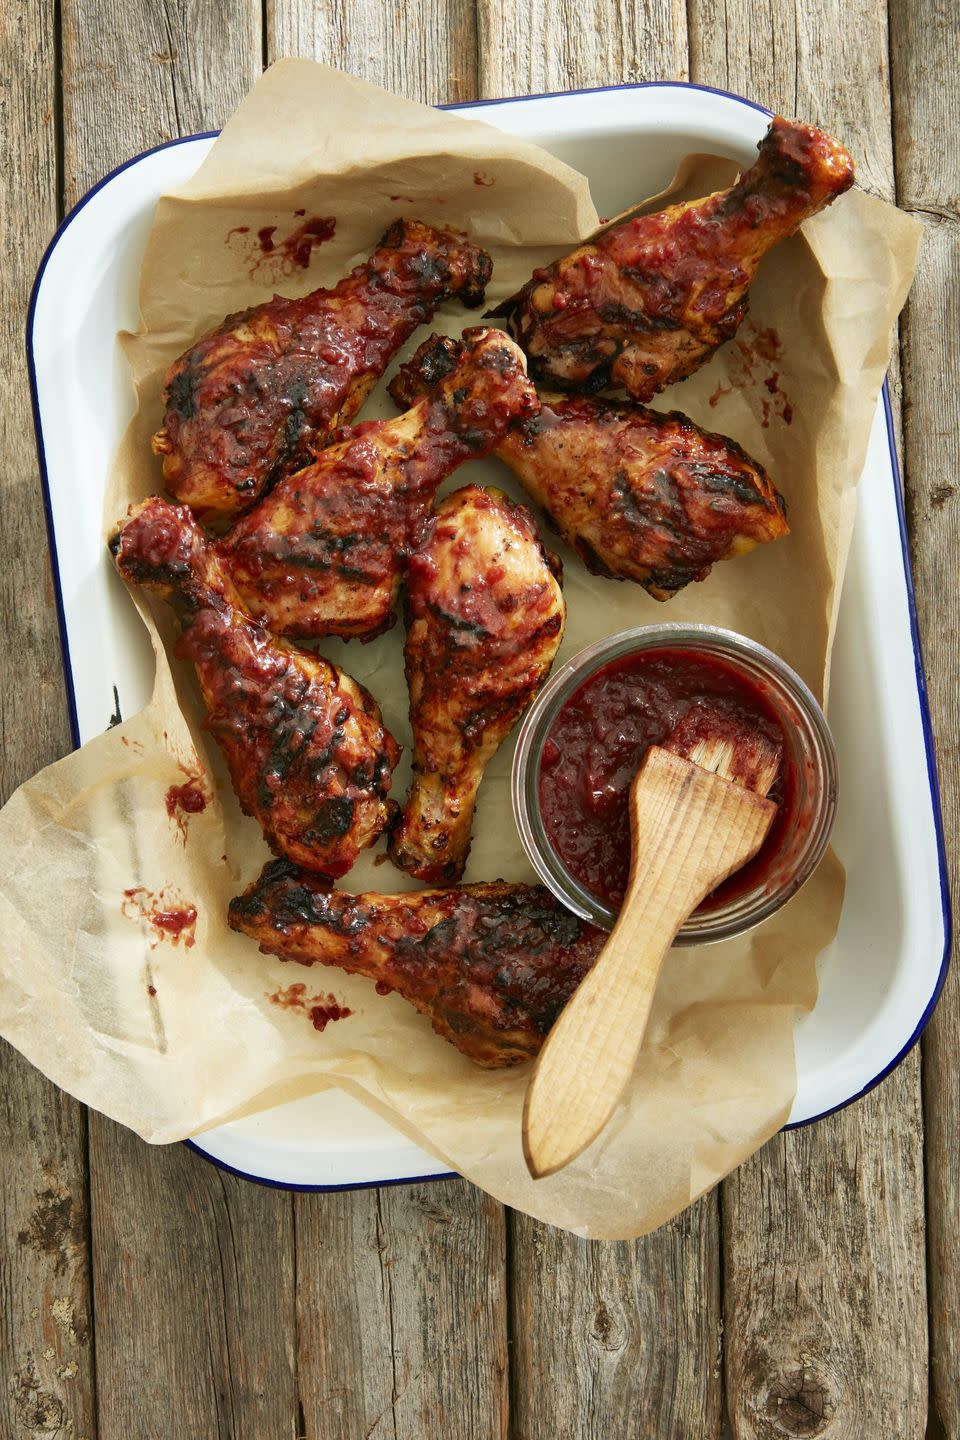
(599, 738)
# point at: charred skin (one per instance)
(485, 618)
(639, 495)
(305, 745)
(259, 395)
(649, 301)
(491, 966)
(323, 553)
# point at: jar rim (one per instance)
(805, 725)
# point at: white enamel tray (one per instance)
(880, 979)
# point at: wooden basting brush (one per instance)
(698, 812)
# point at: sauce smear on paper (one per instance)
(168, 915)
(182, 801)
(320, 1009)
(295, 250)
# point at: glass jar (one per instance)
(809, 755)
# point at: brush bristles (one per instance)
(722, 739)
(752, 762)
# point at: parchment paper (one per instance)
(798, 389)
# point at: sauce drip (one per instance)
(184, 800)
(321, 1009)
(294, 250)
(169, 917)
(754, 352)
(598, 740)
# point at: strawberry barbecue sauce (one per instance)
(598, 740)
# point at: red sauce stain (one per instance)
(719, 393)
(299, 246)
(136, 745)
(169, 917)
(480, 179)
(750, 355)
(286, 253)
(766, 343)
(321, 1015)
(151, 990)
(321, 1009)
(188, 799)
(382, 988)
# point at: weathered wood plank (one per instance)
(46, 1358)
(546, 45)
(824, 61)
(617, 1339)
(924, 43)
(424, 49)
(46, 1355)
(607, 1339)
(400, 1306)
(138, 74)
(824, 1318)
(824, 1301)
(193, 1295)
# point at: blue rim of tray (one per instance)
(922, 695)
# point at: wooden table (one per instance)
(144, 1293)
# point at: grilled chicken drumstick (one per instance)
(305, 745)
(322, 554)
(649, 300)
(256, 397)
(639, 495)
(491, 966)
(484, 622)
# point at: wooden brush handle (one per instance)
(690, 830)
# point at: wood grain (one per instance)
(46, 1351)
(46, 1356)
(193, 1295)
(924, 43)
(822, 61)
(817, 1344)
(608, 1340)
(401, 1303)
(140, 72)
(544, 45)
(424, 49)
(617, 1339)
(824, 1318)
